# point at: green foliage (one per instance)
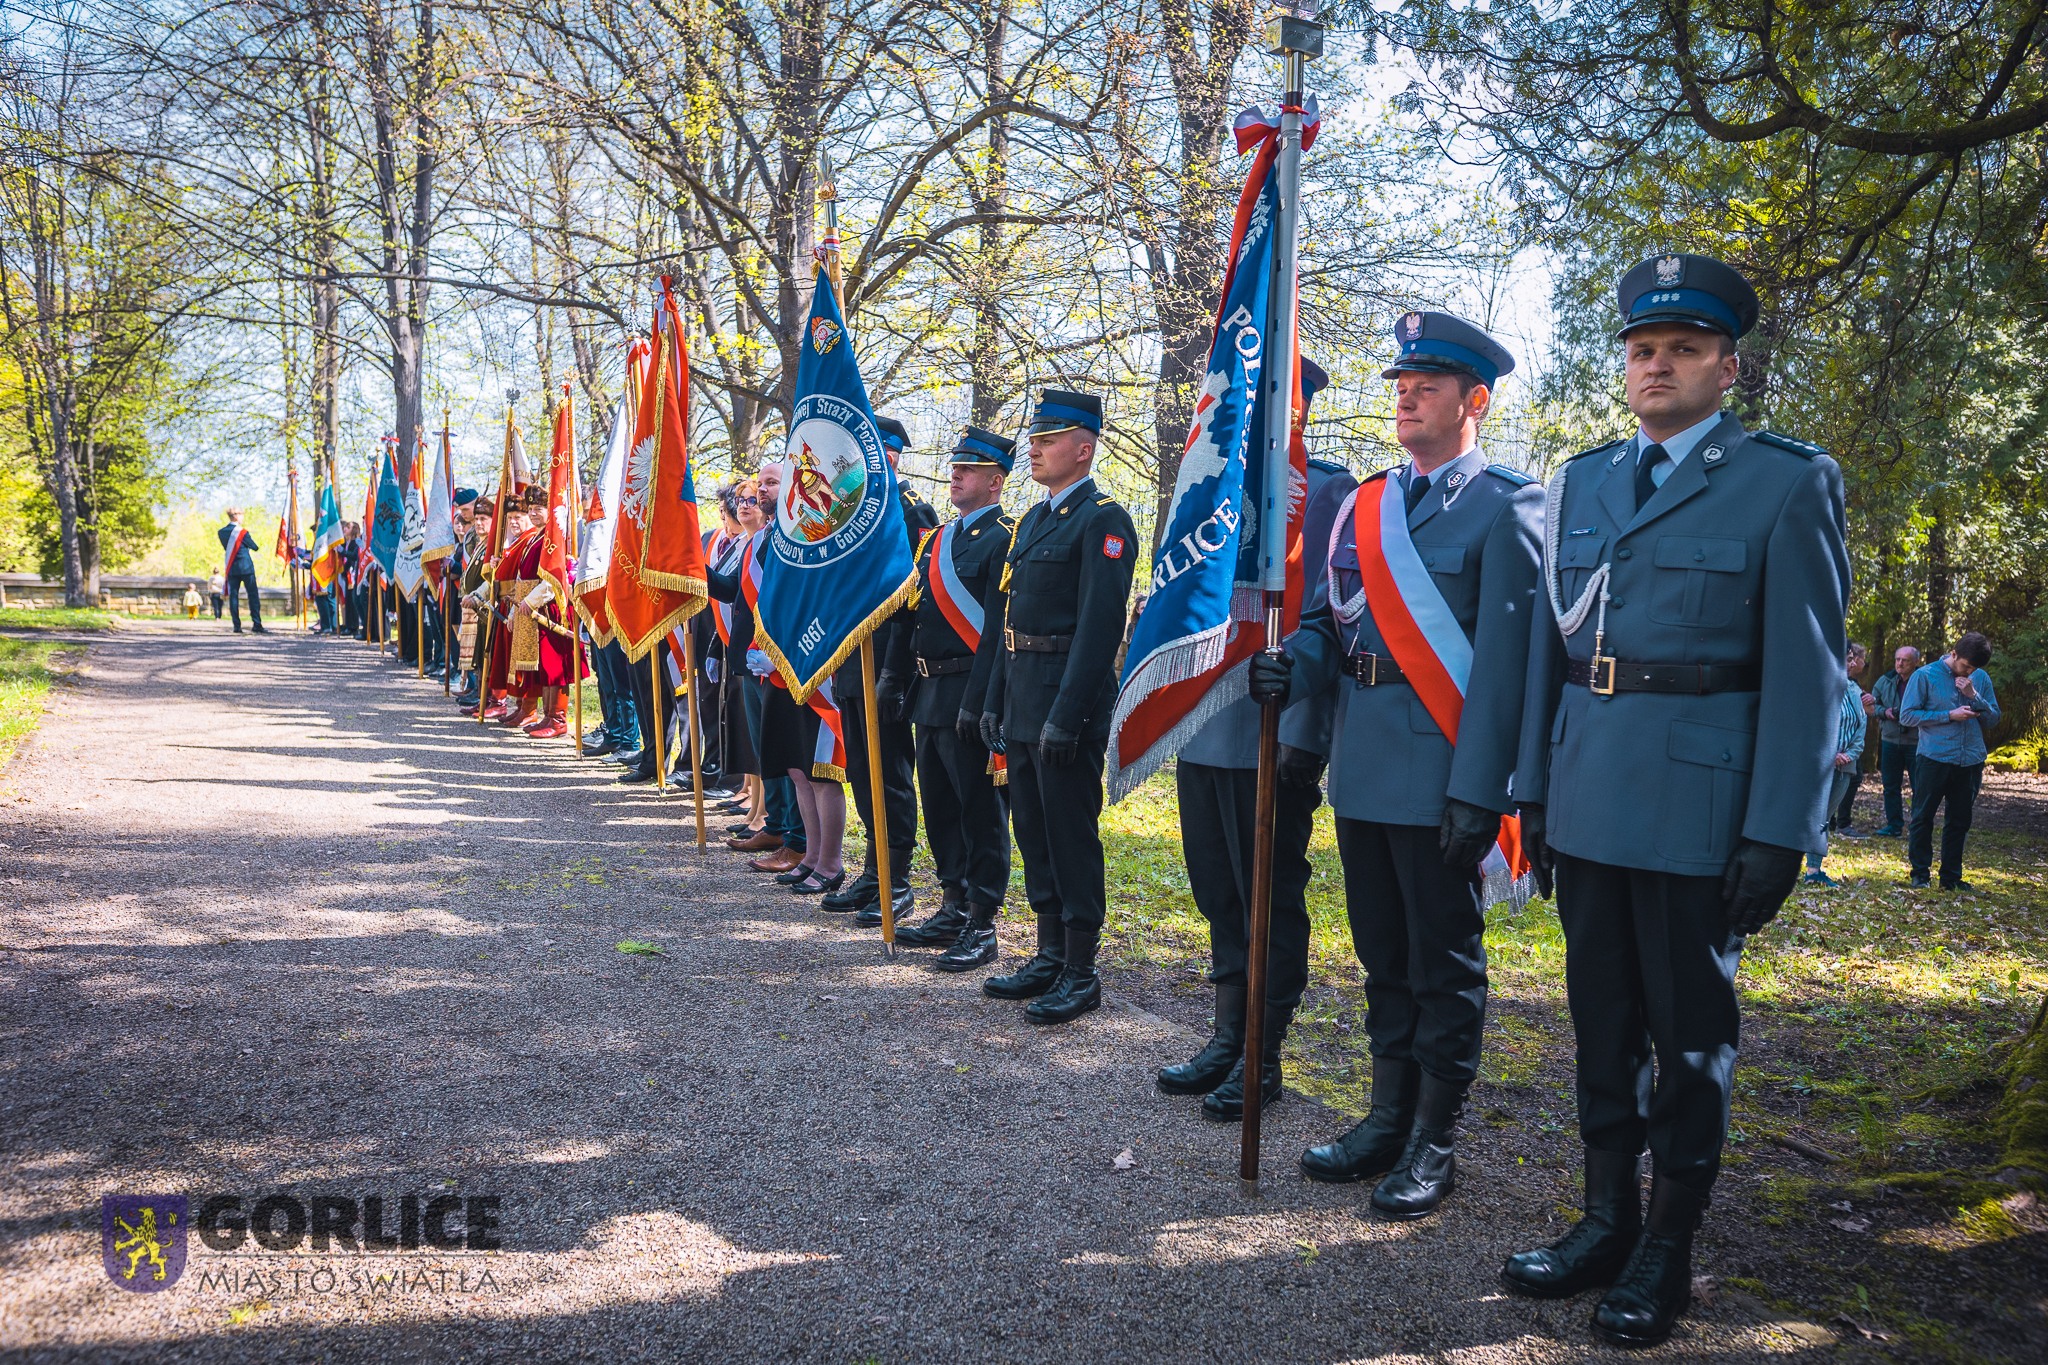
(26, 671)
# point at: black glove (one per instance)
(1466, 835)
(967, 725)
(1758, 879)
(992, 732)
(1299, 769)
(892, 697)
(1057, 747)
(1542, 861)
(1270, 676)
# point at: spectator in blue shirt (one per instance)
(1851, 725)
(1951, 705)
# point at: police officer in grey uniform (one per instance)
(1684, 686)
(966, 815)
(1052, 688)
(1216, 778)
(1416, 813)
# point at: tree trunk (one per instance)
(2021, 1120)
(989, 383)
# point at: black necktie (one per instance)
(1418, 488)
(1652, 456)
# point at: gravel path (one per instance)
(274, 919)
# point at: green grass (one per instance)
(56, 618)
(26, 672)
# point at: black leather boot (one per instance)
(855, 893)
(1593, 1251)
(1042, 972)
(1656, 1284)
(939, 929)
(1079, 989)
(1373, 1146)
(869, 916)
(1207, 1069)
(975, 946)
(1226, 1102)
(1428, 1168)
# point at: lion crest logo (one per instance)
(824, 335)
(142, 1240)
(1670, 270)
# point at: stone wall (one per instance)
(133, 594)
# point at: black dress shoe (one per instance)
(1428, 1169)
(937, 931)
(1656, 1284)
(1371, 1148)
(634, 777)
(850, 897)
(792, 877)
(1209, 1068)
(1078, 991)
(605, 745)
(1592, 1253)
(976, 944)
(628, 757)
(1029, 981)
(869, 916)
(814, 882)
(1225, 1104)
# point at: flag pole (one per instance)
(1294, 36)
(494, 549)
(696, 739)
(878, 823)
(447, 599)
(569, 607)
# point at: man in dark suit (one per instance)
(1065, 588)
(1685, 685)
(237, 547)
(966, 818)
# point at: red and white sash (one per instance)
(963, 612)
(1421, 630)
(235, 543)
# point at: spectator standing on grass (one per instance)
(216, 591)
(1842, 815)
(1952, 704)
(1850, 731)
(1897, 742)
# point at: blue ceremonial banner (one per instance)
(388, 521)
(838, 558)
(1203, 617)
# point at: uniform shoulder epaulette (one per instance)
(1600, 449)
(1804, 449)
(1513, 476)
(1105, 501)
(1327, 466)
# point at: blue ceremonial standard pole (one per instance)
(1294, 36)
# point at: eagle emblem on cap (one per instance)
(1411, 326)
(1670, 270)
(824, 334)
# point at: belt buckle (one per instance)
(1599, 661)
(922, 672)
(1009, 639)
(1372, 678)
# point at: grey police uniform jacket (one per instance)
(1230, 739)
(1739, 559)
(977, 556)
(1070, 575)
(1478, 532)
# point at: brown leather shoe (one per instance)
(760, 841)
(781, 860)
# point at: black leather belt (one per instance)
(1607, 676)
(1017, 642)
(939, 668)
(1373, 670)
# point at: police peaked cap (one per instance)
(1063, 410)
(895, 435)
(1437, 343)
(1697, 290)
(979, 445)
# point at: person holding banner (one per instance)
(1216, 780)
(966, 816)
(1424, 634)
(1685, 684)
(238, 568)
(1065, 585)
